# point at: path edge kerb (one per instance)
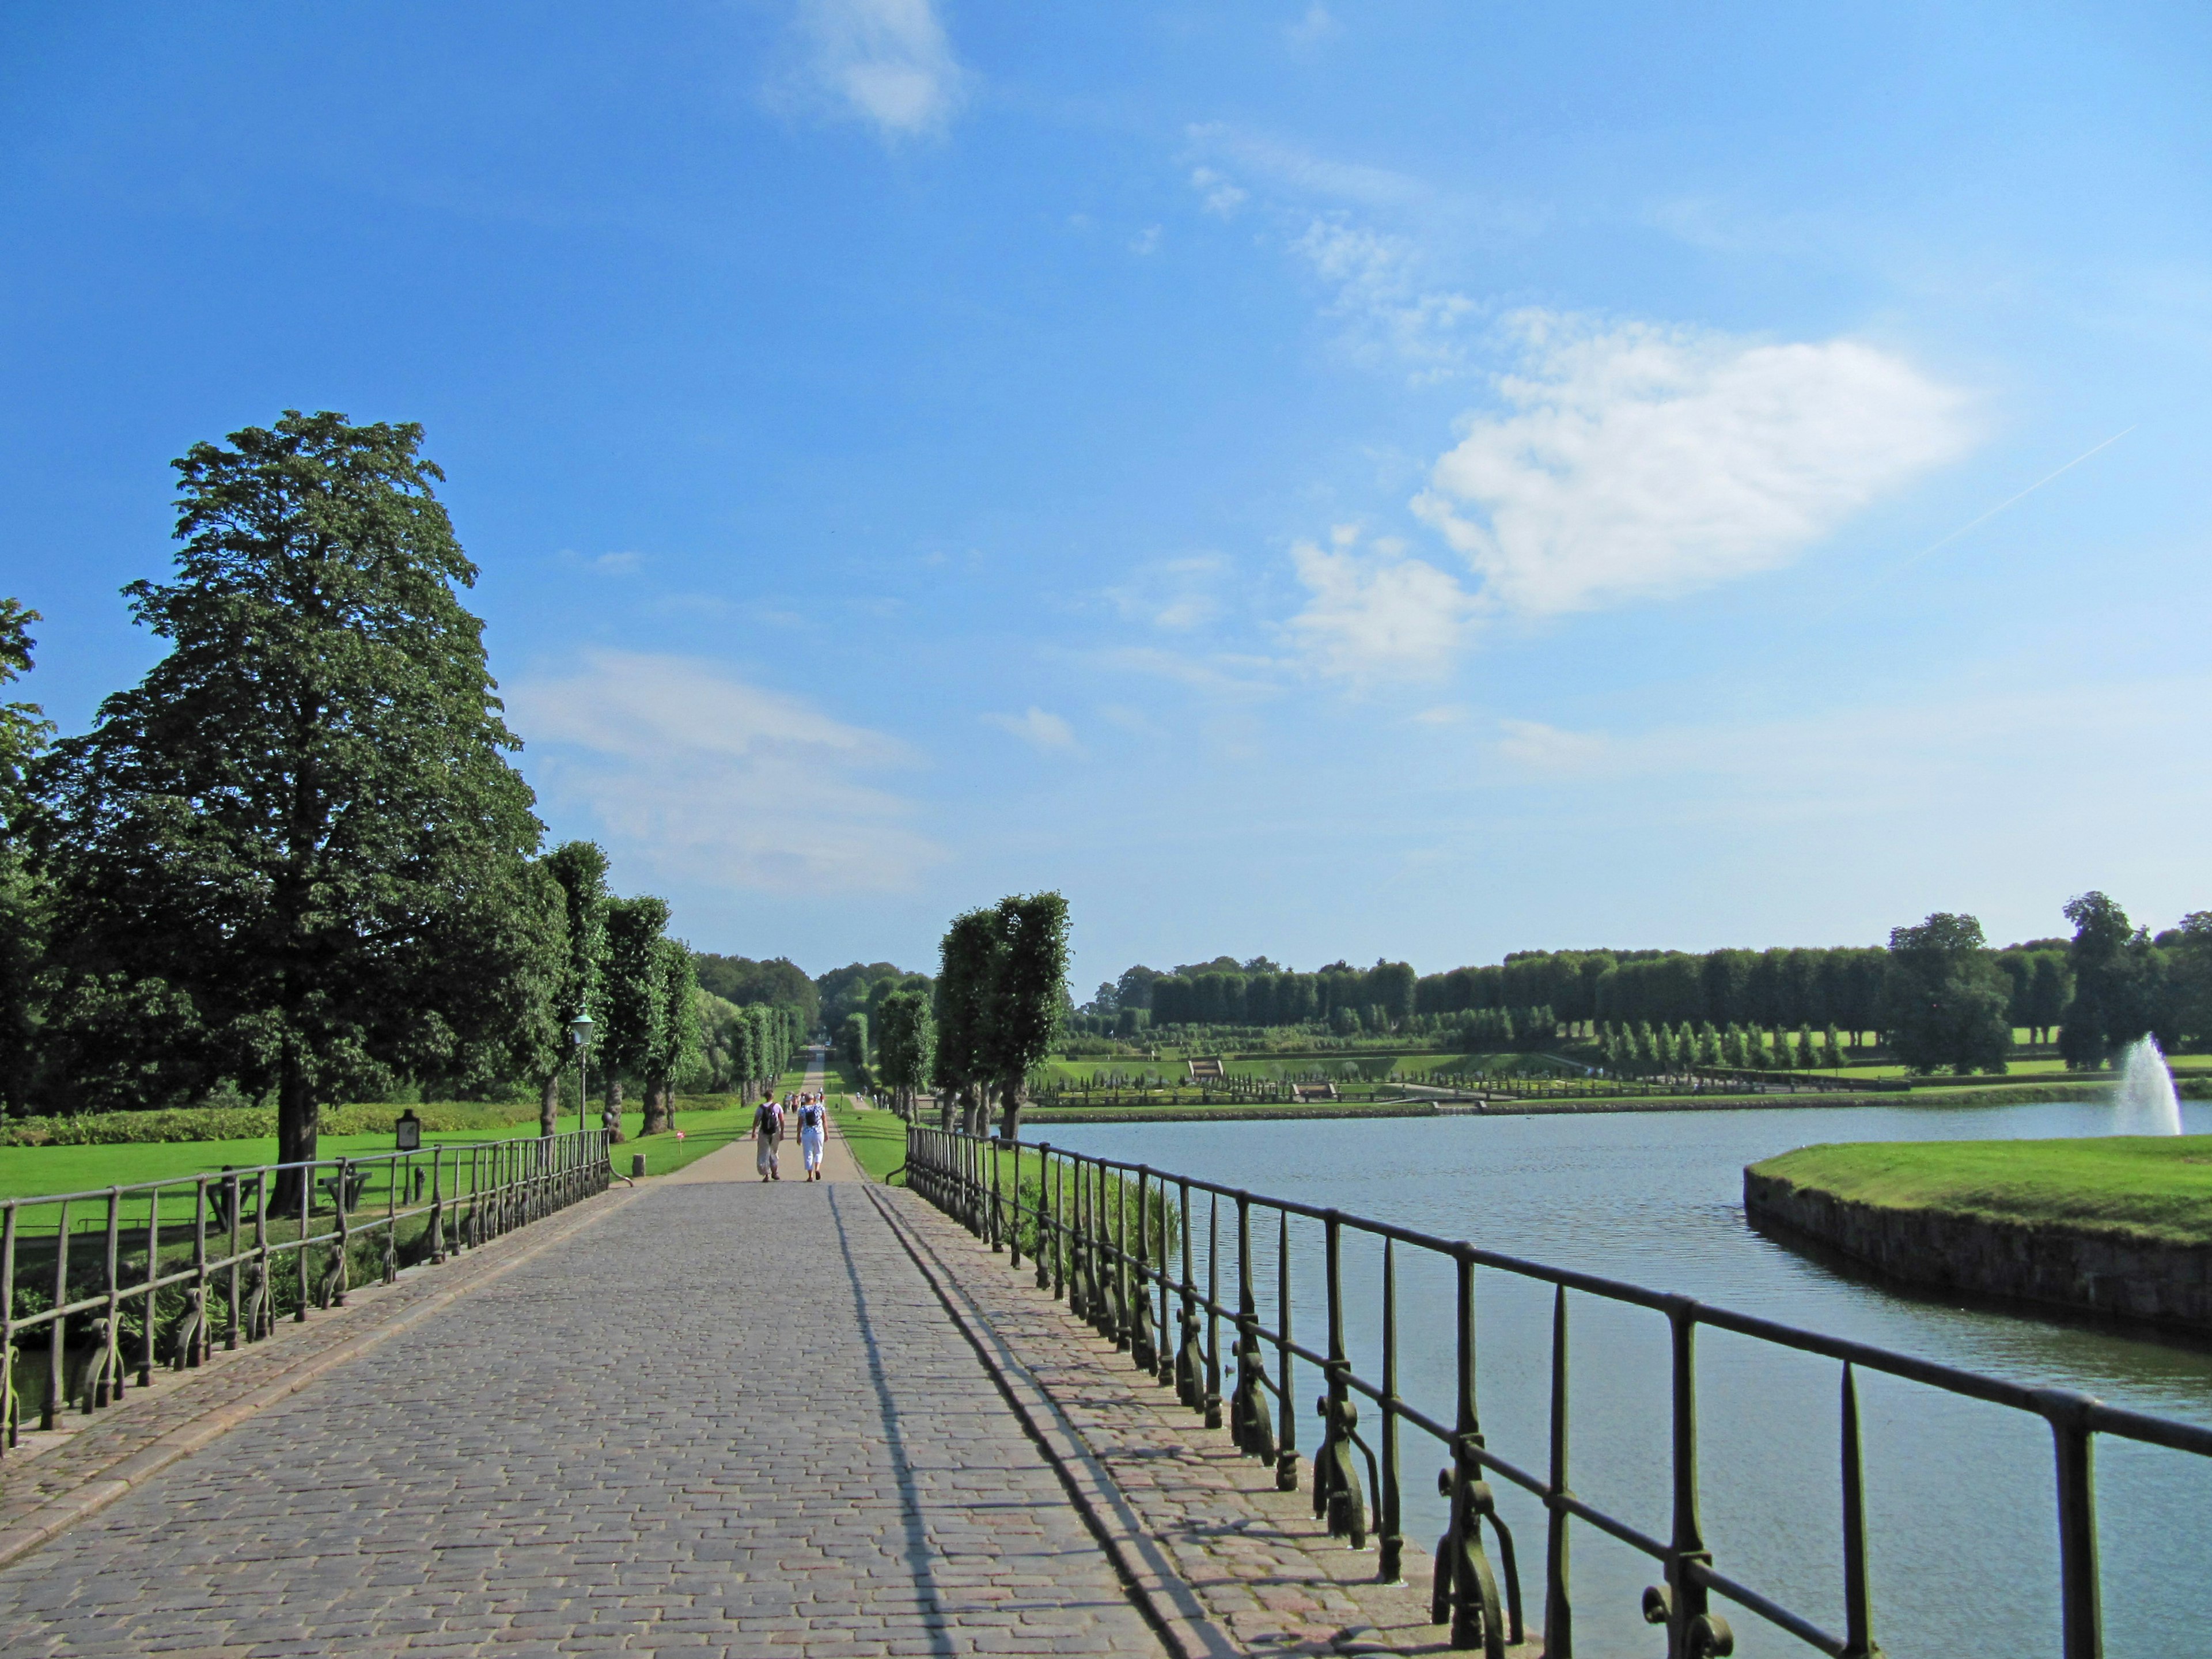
(1150, 1578)
(55, 1516)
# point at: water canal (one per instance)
(1963, 1538)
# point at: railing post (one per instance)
(437, 1226)
(1693, 1632)
(1390, 1529)
(1858, 1607)
(264, 1315)
(1014, 1238)
(1187, 1362)
(153, 1273)
(233, 1199)
(111, 1359)
(1287, 1445)
(1558, 1610)
(306, 1217)
(1141, 1347)
(341, 1201)
(1120, 1200)
(10, 1414)
(1042, 1257)
(1465, 1581)
(1213, 1311)
(2082, 1624)
(203, 1342)
(49, 1412)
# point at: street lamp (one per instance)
(580, 1033)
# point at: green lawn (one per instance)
(708, 1121)
(2159, 1186)
(878, 1139)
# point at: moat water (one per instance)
(1963, 1536)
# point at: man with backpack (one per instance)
(767, 1135)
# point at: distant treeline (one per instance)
(1784, 989)
(2108, 979)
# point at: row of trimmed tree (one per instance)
(1000, 997)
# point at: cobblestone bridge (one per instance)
(703, 1415)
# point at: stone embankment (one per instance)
(2103, 1271)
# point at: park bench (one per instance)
(219, 1192)
(355, 1180)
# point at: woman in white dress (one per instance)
(811, 1126)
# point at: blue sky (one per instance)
(1320, 480)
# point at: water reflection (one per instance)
(1964, 1543)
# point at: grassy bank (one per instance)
(2157, 1187)
(878, 1139)
(707, 1121)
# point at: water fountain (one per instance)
(2144, 1103)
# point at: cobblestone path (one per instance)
(727, 1417)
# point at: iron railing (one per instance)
(1116, 1239)
(164, 1249)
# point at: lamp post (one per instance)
(580, 1033)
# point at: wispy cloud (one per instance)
(698, 775)
(1638, 461)
(1311, 29)
(1047, 733)
(604, 564)
(1390, 312)
(1378, 616)
(1177, 594)
(1380, 285)
(1216, 193)
(887, 62)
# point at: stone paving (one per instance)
(727, 1417)
(709, 1416)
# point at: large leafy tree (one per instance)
(24, 729)
(290, 854)
(1944, 998)
(633, 996)
(2119, 984)
(1027, 995)
(579, 867)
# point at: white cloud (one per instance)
(1378, 617)
(1176, 594)
(1216, 193)
(1543, 748)
(1310, 30)
(699, 775)
(1047, 733)
(1641, 462)
(1381, 293)
(1304, 173)
(605, 564)
(887, 61)
(1147, 240)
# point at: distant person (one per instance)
(767, 1136)
(811, 1126)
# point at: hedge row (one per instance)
(249, 1123)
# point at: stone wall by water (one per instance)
(2107, 1273)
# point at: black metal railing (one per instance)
(1116, 1240)
(174, 1259)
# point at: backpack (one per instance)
(768, 1121)
(810, 1116)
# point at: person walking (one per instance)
(767, 1135)
(812, 1125)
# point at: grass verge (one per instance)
(878, 1139)
(2151, 1186)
